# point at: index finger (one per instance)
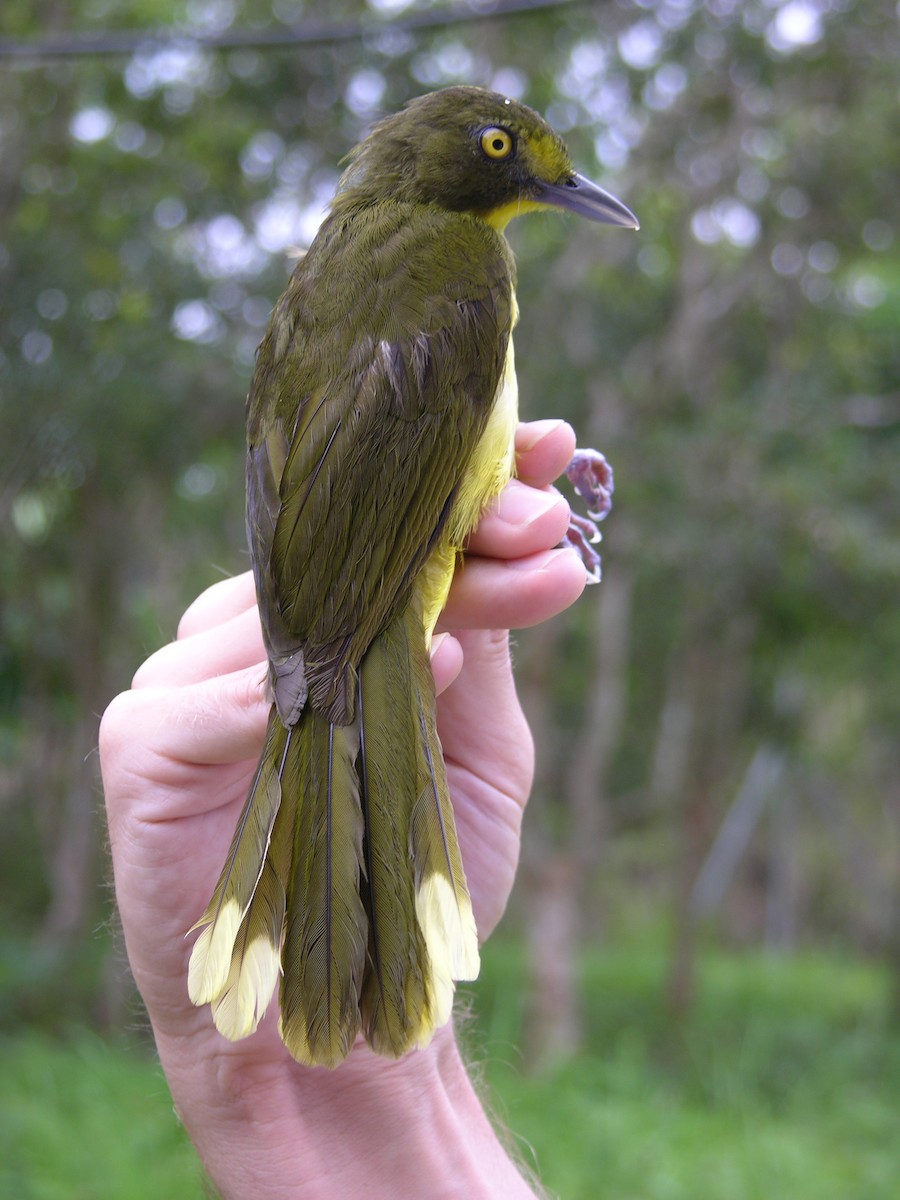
(227, 646)
(218, 604)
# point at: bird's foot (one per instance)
(591, 476)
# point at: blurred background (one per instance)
(696, 992)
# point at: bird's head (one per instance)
(470, 150)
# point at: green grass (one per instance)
(783, 1083)
(87, 1120)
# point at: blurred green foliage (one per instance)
(783, 1082)
(737, 361)
(85, 1119)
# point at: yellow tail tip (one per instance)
(211, 957)
(248, 990)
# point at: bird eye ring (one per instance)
(497, 142)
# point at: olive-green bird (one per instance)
(381, 420)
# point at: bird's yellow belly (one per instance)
(489, 470)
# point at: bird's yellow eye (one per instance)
(496, 142)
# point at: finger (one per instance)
(496, 594)
(505, 763)
(487, 674)
(218, 604)
(230, 646)
(524, 520)
(219, 720)
(446, 660)
(543, 451)
(237, 645)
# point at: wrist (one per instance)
(376, 1127)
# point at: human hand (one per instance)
(178, 752)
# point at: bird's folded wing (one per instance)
(371, 390)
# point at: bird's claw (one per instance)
(581, 536)
(591, 476)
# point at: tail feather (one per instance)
(256, 958)
(422, 932)
(395, 1001)
(325, 935)
(443, 905)
(211, 958)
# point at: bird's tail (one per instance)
(345, 875)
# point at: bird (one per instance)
(380, 425)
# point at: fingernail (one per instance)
(532, 432)
(437, 641)
(520, 504)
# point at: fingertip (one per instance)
(569, 575)
(543, 450)
(524, 520)
(529, 433)
(514, 594)
(553, 582)
(228, 644)
(446, 660)
(218, 604)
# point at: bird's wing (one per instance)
(371, 390)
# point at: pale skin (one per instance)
(178, 751)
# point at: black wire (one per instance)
(306, 33)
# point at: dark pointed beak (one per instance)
(578, 195)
